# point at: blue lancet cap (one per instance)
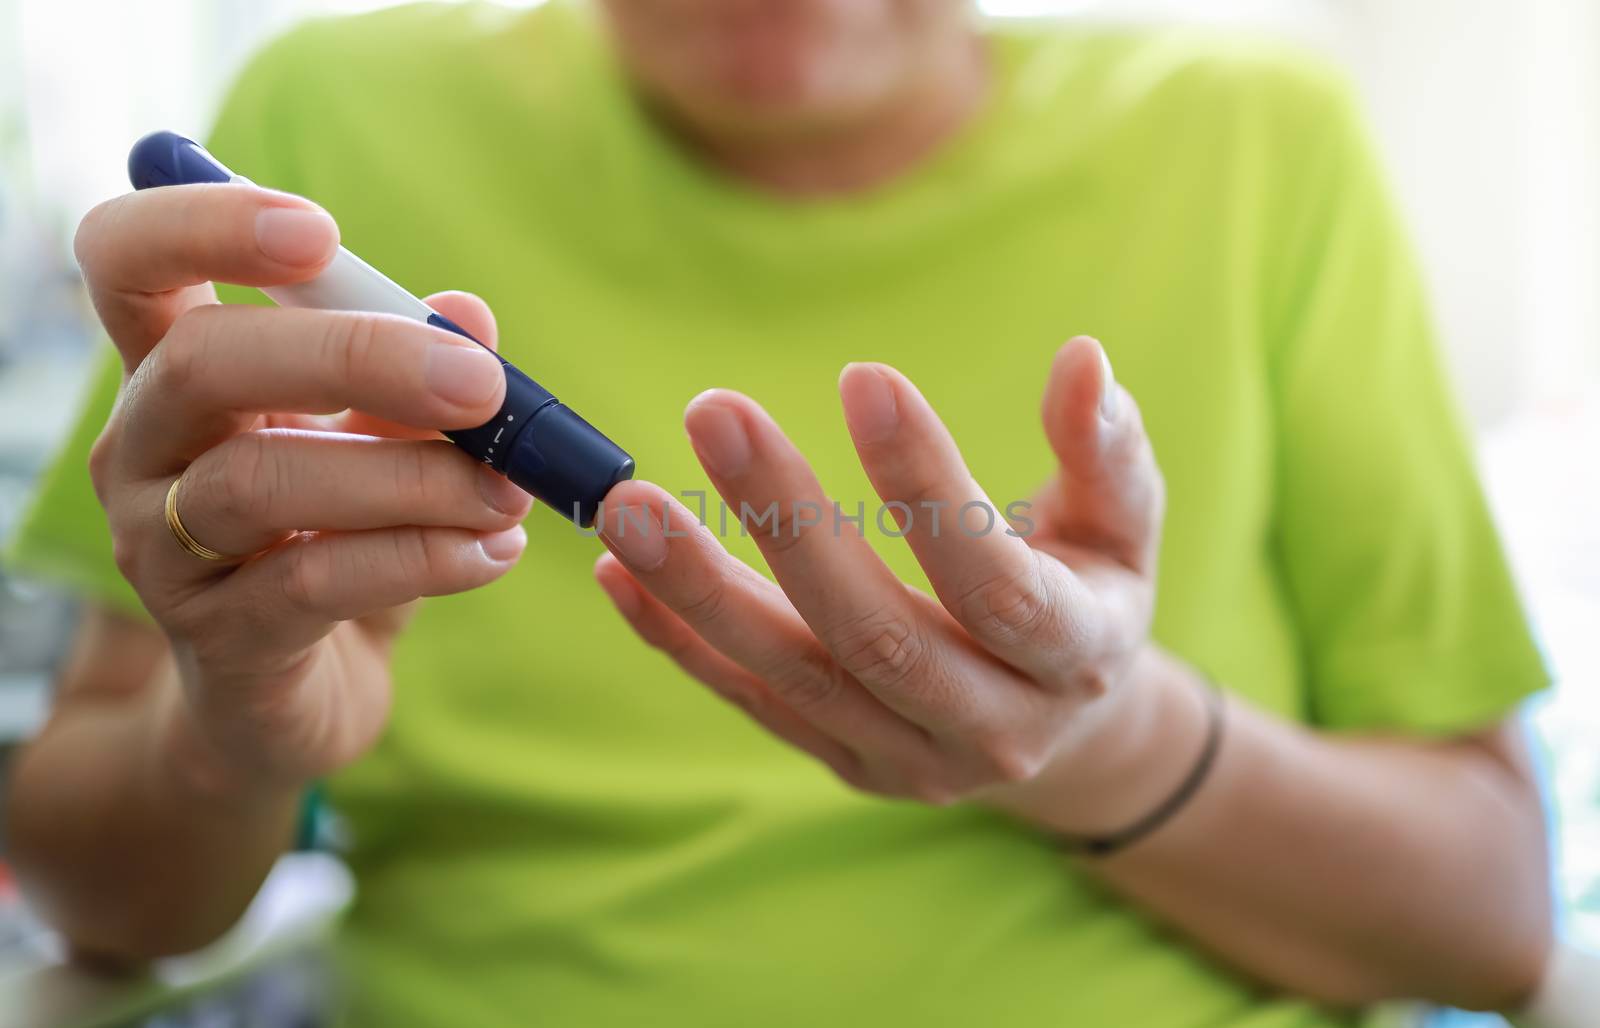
(168, 159)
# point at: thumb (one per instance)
(1109, 494)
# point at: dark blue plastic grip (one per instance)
(543, 445)
(536, 441)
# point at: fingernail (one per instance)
(464, 374)
(501, 547)
(1108, 388)
(719, 437)
(635, 536)
(293, 235)
(870, 408)
(499, 493)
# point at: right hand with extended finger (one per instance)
(276, 486)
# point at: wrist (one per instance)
(1139, 743)
(190, 762)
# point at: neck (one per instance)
(865, 152)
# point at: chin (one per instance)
(775, 90)
(765, 66)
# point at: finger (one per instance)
(658, 626)
(465, 309)
(256, 488)
(470, 312)
(853, 603)
(1110, 493)
(1024, 607)
(746, 618)
(221, 365)
(292, 595)
(143, 253)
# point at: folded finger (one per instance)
(301, 587)
(220, 366)
(256, 488)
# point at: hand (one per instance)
(279, 424)
(1013, 673)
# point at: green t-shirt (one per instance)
(558, 826)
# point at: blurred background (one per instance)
(1488, 114)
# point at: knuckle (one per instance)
(348, 346)
(675, 641)
(922, 493)
(181, 359)
(755, 705)
(88, 239)
(1013, 606)
(417, 562)
(880, 647)
(211, 625)
(1092, 681)
(409, 473)
(125, 553)
(102, 456)
(708, 607)
(852, 772)
(305, 578)
(1156, 484)
(806, 681)
(1002, 757)
(662, 634)
(789, 528)
(242, 485)
(933, 791)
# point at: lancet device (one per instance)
(542, 445)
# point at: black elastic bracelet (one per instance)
(1104, 845)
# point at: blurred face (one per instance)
(763, 67)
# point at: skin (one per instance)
(270, 672)
(148, 811)
(1030, 683)
(812, 98)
